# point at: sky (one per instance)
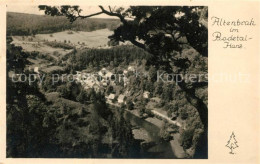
(35, 10)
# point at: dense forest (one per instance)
(98, 58)
(29, 24)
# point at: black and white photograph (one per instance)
(107, 82)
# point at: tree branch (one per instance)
(91, 15)
(138, 44)
(122, 19)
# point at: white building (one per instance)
(125, 72)
(121, 98)
(36, 69)
(111, 96)
(131, 68)
(146, 94)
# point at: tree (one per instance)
(232, 143)
(109, 90)
(152, 74)
(26, 107)
(129, 105)
(164, 134)
(113, 42)
(186, 138)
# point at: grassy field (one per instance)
(92, 39)
(43, 65)
(80, 39)
(38, 46)
(77, 39)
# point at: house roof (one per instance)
(130, 68)
(109, 74)
(111, 96)
(121, 97)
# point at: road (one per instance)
(166, 118)
(155, 113)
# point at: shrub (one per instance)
(69, 32)
(129, 105)
(164, 134)
(183, 113)
(59, 45)
(149, 112)
(186, 138)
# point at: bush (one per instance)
(149, 112)
(186, 138)
(59, 45)
(183, 113)
(129, 105)
(164, 134)
(69, 32)
(160, 104)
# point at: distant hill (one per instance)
(31, 24)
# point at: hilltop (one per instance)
(31, 24)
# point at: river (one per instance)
(157, 148)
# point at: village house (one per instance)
(36, 70)
(146, 94)
(121, 99)
(125, 72)
(96, 87)
(173, 116)
(102, 72)
(111, 98)
(131, 68)
(109, 75)
(105, 73)
(78, 76)
(105, 76)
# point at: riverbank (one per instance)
(171, 149)
(142, 134)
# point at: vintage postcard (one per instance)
(127, 81)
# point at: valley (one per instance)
(110, 104)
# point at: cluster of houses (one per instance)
(100, 80)
(121, 99)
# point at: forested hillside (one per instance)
(29, 24)
(172, 98)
